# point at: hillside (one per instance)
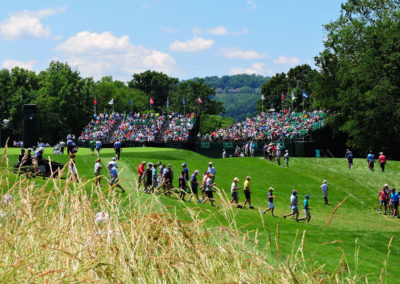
(238, 93)
(347, 240)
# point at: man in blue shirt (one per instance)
(371, 161)
(194, 185)
(114, 177)
(394, 199)
(306, 210)
(117, 147)
(293, 206)
(349, 156)
(185, 169)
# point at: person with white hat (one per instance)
(324, 188)
(113, 163)
(286, 157)
(235, 192)
(384, 198)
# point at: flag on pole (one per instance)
(130, 101)
(293, 97)
(111, 102)
(283, 96)
(184, 100)
(94, 102)
(262, 97)
(305, 95)
(167, 102)
(151, 101)
(200, 101)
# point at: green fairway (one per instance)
(356, 230)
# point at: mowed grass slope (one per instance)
(356, 230)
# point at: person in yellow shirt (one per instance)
(247, 192)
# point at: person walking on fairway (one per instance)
(307, 215)
(235, 192)
(293, 206)
(211, 170)
(141, 174)
(182, 185)
(194, 184)
(97, 172)
(117, 148)
(349, 156)
(394, 197)
(92, 146)
(209, 188)
(98, 147)
(382, 161)
(286, 158)
(371, 161)
(271, 205)
(148, 178)
(247, 192)
(383, 198)
(324, 188)
(114, 178)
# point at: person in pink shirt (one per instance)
(382, 161)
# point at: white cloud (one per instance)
(27, 24)
(237, 53)
(10, 64)
(221, 30)
(256, 68)
(194, 44)
(169, 30)
(251, 4)
(285, 60)
(100, 54)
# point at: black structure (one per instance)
(29, 125)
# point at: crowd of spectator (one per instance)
(100, 126)
(139, 127)
(179, 127)
(271, 126)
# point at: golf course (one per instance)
(346, 240)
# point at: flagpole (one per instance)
(95, 110)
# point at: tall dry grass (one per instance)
(49, 234)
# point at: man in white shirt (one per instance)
(324, 188)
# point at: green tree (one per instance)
(359, 73)
(156, 85)
(272, 91)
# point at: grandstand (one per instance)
(177, 128)
(271, 127)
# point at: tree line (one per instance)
(357, 77)
(66, 101)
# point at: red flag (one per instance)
(94, 102)
(151, 101)
(200, 101)
(283, 96)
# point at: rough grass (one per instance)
(49, 234)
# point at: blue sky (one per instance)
(182, 38)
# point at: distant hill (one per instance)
(239, 93)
